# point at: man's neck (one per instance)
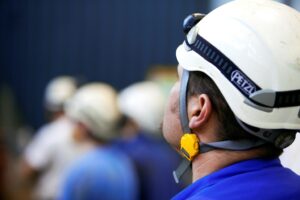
(207, 163)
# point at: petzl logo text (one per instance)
(242, 82)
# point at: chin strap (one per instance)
(181, 169)
(185, 163)
(236, 145)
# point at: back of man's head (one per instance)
(250, 71)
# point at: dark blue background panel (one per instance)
(99, 40)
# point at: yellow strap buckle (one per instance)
(189, 145)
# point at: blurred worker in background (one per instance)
(104, 172)
(142, 104)
(236, 104)
(52, 148)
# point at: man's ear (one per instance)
(199, 109)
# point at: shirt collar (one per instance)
(236, 168)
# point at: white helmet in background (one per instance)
(144, 103)
(95, 105)
(251, 50)
(58, 91)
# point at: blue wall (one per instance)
(109, 40)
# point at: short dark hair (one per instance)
(228, 127)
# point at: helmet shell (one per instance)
(262, 38)
(144, 103)
(58, 91)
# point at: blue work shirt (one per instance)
(155, 161)
(104, 173)
(252, 179)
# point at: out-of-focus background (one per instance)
(112, 41)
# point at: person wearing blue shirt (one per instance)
(154, 162)
(236, 104)
(142, 104)
(103, 172)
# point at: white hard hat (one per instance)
(144, 103)
(251, 50)
(95, 105)
(58, 91)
